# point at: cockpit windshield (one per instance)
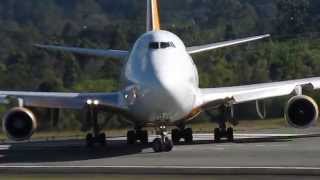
(161, 45)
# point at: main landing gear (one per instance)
(162, 143)
(223, 131)
(182, 133)
(96, 137)
(135, 135)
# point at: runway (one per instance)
(265, 152)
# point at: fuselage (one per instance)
(160, 79)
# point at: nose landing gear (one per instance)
(162, 143)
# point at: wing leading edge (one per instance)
(240, 94)
(63, 100)
(86, 51)
(208, 47)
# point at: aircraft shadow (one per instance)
(74, 150)
(43, 152)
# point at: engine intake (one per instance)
(301, 111)
(19, 124)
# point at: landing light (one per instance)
(89, 101)
(96, 102)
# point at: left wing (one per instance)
(203, 48)
(63, 100)
(239, 94)
(86, 51)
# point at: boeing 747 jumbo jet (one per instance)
(160, 87)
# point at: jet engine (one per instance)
(301, 111)
(19, 123)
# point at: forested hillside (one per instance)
(292, 52)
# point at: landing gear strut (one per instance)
(182, 133)
(223, 131)
(162, 143)
(96, 136)
(138, 134)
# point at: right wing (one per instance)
(213, 97)
(86, 51)
(198, 49)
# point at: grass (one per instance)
(246, 125)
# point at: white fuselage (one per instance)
(160, 79)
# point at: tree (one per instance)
(292, 16)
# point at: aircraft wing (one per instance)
(86, 51)
(240, 94)
(198, 49)
(62, 100)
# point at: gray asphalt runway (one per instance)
(284, 151)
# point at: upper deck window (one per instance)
(162, 45)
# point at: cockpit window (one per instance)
(164, 45)
(161, 45)
(154, 45)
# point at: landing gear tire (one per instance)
(188, 137)
(102, 139)
(175, 136)
(142, 136)
(157, 145)
(217, 135)
(230, 134)
(131, 137)
(220, 133)
(186, 134)
(162, 145)
(89, 140)
(167, 144)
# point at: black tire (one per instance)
(131, 137)
(102, 139)
(217, 135)
(175, 136)
(157, 145)
(89, 140)
(188, 135)
(230, 136)
(144, 137)
(168, 145)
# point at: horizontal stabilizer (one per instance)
(198, 49)
(85, 51)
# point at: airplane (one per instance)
(160, 88)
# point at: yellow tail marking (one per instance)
(155, 15)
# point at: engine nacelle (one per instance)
(301, 111)
(19, 124)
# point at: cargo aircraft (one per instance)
(160, 87)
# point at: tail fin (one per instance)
(153, 19)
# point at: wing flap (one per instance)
(198, 49)
(86, 51)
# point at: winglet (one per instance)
(153, 18)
